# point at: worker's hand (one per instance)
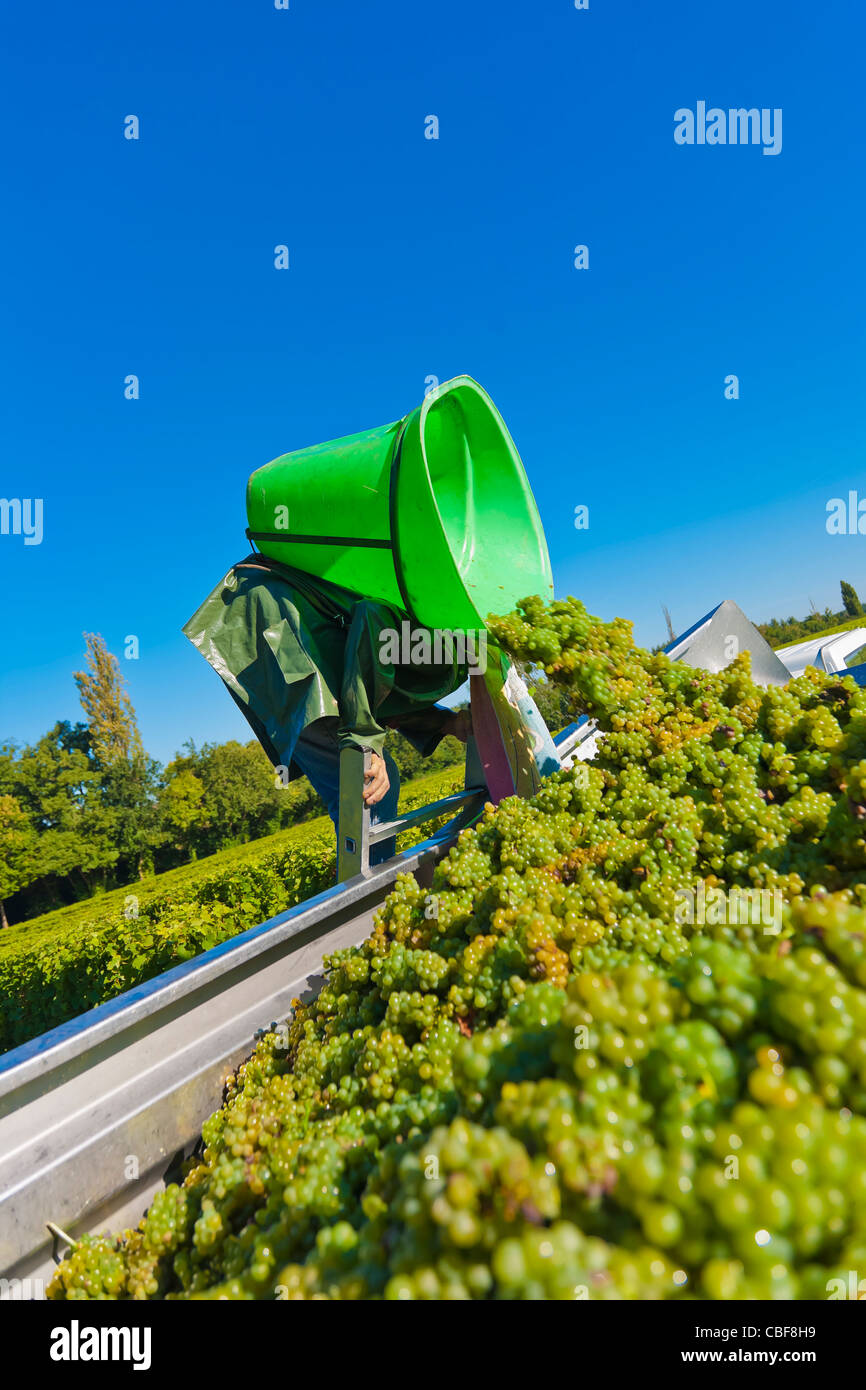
(460, 724)
(376, 780)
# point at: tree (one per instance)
(407, 759)
(58, 785)
(180, 810)
(670, 626)
(129, 788)
(129, 776)
(241, 799)
(552, 704)
(180, 799)
(17, 843)
(850, 602)
(110, 716)
(780, 632)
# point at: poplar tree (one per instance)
(114, 735)
(128, 775)
(851, 603)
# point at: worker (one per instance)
(303, 660)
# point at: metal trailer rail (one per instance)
(96, 1114)
(829, 654)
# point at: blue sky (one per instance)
(412, 257)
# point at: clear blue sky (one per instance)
(411, 257)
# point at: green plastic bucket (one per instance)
(433, 513)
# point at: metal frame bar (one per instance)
(423, 813)
(570, 738)
(355, 834)
(353, 820)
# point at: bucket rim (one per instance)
(418, 416)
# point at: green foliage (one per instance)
(57, 784)
(410, 764)
(128, 793)
(550, 700)
(17, 843)
(783, 632)
(181, 805)
(236, 796)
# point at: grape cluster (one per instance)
(545, 1079)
